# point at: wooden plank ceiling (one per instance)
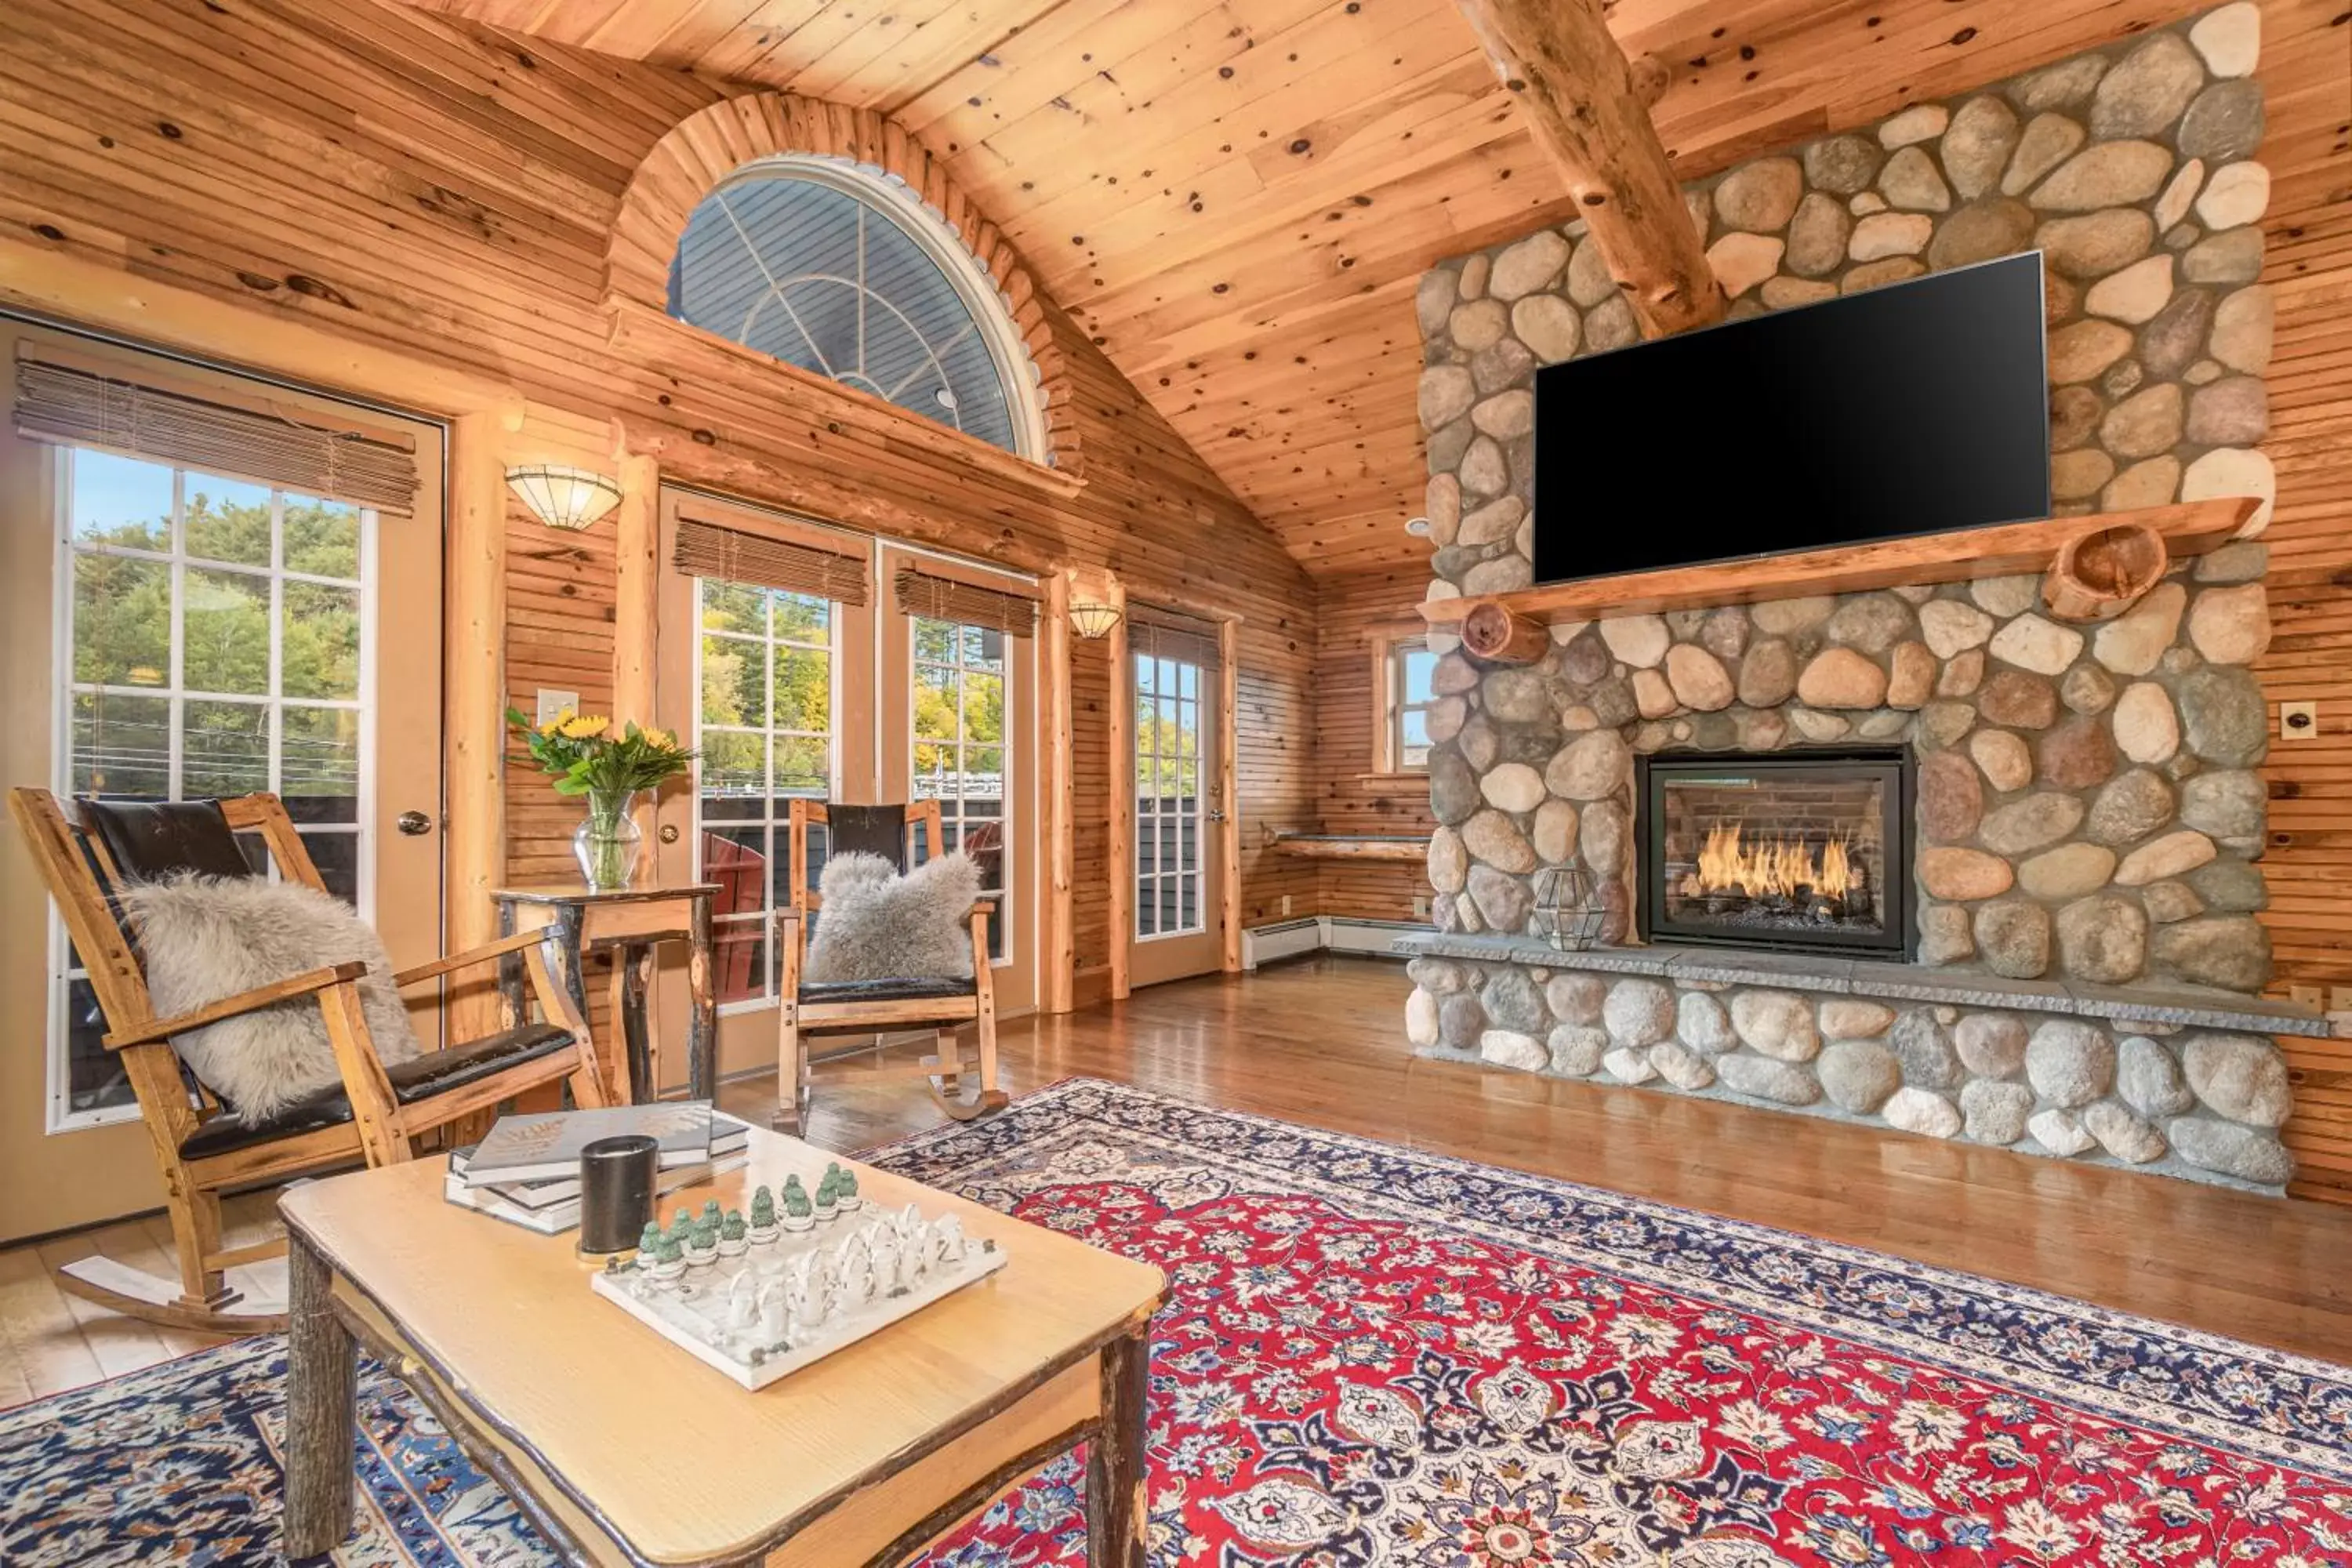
(1236, 197)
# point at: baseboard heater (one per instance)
(1325, 933)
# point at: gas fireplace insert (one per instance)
(1808, 850)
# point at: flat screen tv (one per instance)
(1912, 408)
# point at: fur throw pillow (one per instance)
(203, 938)
(879, 925)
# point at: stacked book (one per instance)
(526, 1171)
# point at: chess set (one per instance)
(760, 1295)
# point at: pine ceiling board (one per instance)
(664, 33)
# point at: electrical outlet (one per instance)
(552, 703)
(2339, 998)
(1420, 907)
(1285, 903)
(2309, 995)
(2298, 720)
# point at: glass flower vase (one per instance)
(608, 842)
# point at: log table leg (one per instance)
(702, 1017)
(1115, 1514)
(321, 1401)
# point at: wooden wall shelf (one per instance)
(1350, 845)
(2189, 528)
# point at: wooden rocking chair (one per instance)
(880, 1006)
(202, 1151)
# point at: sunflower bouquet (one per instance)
(586, 756)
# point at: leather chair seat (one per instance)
(931, 989)
(431, 1073)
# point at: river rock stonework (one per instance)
(2090, 805)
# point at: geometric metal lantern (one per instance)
(1568, 912)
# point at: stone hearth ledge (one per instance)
(2186, 1007)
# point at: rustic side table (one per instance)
(630, 922)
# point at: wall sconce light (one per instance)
(1092, 619)
(563, 497)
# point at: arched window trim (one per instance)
(703, 148)
(888, 195)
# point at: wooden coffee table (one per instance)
(624, 1449)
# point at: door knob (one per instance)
(414, 824)
(1215, 815)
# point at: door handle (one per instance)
(413, 824)
(1216, 815)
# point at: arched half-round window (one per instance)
(847, 275)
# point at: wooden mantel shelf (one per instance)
(2189, 528)
(1350, 845)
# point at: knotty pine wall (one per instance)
(2306, 77)
(444, 190)
(1348, 798)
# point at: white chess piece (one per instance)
(743, 1300)
(775, 1308)
(853, 1264)
(947, 1240)
(808, 1285)
(884, 1249)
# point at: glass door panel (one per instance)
(1179, 814)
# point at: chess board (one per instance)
(792, 1297)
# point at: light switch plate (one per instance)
(2309, 995)
(552, 703)
(2299, 721)
(1285, 903)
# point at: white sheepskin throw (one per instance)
(203, 938)
(879, 925)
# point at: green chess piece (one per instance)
(763, 1207)
(732, 1227)
(649, 1239)
(681, 1222)
(797, 1200)
(710, 1210)
(670, 1251)
(847, 1188)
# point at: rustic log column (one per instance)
(1116, 1513)
(636, 524)
(473, 723)
(1229, 791)
(1122, 800)
(322, 1406)
(1588, 109)
(1061, 794)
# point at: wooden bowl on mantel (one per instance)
(2101, 572)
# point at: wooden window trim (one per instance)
(1385, 642)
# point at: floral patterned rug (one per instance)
(1381, 1357)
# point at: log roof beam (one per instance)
(1588, 108)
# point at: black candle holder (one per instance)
(616, 1192)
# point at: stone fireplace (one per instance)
(2053, 943)
(1803, 851)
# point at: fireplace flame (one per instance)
(1780, 867)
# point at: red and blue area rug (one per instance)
(1376, 1356)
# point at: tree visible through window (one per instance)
(960, 748)
(1411, 668)
(215, 637)
(825, 270)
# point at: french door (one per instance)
(1180, 816)
(798, 694)
(176, 633)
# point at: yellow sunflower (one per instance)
(581, 727)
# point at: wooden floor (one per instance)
(1320, 1041)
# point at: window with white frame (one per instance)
(1170, 807)
(216, 638)
(1408, 669)
(959, 750)
(850, 277)
(764, 721)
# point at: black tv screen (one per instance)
(1914, 408)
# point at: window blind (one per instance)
(945, 599)
(267, 443)
(1171, 634)
(706, 550)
